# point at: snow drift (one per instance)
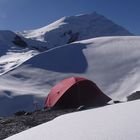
(113, 122)
(111, 62)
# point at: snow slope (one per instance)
(14, 50)
(111, 62)
(73, 28)
(113, 122)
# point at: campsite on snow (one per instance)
(85, 68)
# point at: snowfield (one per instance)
(111, 62)
(112, 122)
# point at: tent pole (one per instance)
(78, 94)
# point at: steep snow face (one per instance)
(10, 39)
(14, 50)
(114, 122)
(111, 62)
(7, 36)
(70, 29)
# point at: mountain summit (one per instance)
(75, 28)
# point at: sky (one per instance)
(19, 15)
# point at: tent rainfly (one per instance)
(74, 92)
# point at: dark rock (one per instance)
(134, 96)
(25, 120)
(19, 113)
(19, 42)
(116, 102)
(73, 37)
(28, 113)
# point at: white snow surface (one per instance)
(111, 62)
(11, 55)
(113, 122)
(73, 28)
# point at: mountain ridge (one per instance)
(76, 28)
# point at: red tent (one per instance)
(74, 92)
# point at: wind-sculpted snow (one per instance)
(69, 59)
(111, 62)
(113, 122)
(74, 28)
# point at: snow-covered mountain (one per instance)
(74, 28)
(111, 62)
(15, 49)
(113, 122)
(26, 79)
(32, 62)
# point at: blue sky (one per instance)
(19, 15)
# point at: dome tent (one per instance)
(74, 92)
